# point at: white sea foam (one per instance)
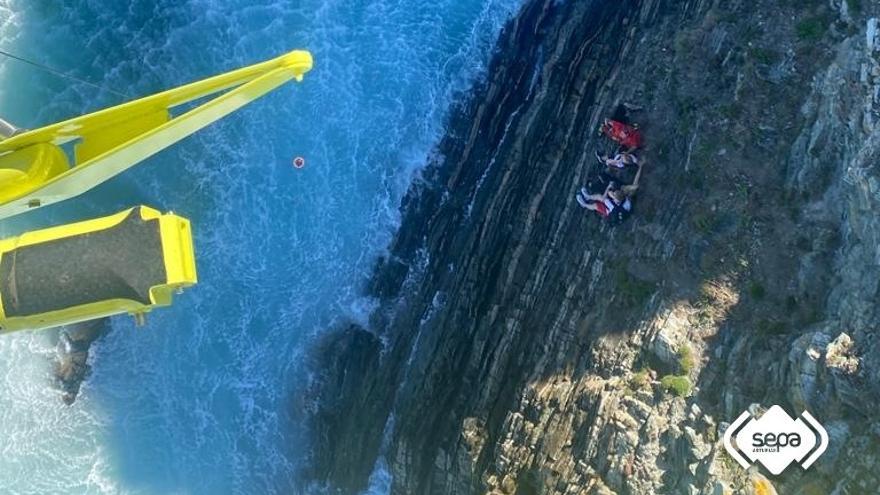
(194, 403)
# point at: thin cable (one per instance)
(63, 74)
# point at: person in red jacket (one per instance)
(627, 136)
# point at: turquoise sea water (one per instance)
(196, 401)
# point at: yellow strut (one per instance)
(35, 171)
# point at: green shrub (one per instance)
(756, 290)
(731, 111)
(742, 193)
(639, 379)
(811, 316)
(811, 29)
(695, 180)
(855, 6)
(680, 386)
(704, 222)
(772, 327)
(745, 220)
(764, 55)
(633, 290)
(685, 359)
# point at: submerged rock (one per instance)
(72, 355)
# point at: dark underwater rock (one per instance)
(71, 362)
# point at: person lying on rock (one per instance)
(619, 160)
(615, 197)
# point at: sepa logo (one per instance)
(775, 440)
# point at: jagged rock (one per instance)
(345, 359)
(72, 355)
(474, 436)
(720, 488)
(699, 448)
(871, 35)
(838, 435)
(840, 356)
(670, 337)
(806, 359)
(665, 346)
(827, 375)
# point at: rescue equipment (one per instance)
(130, 263)
(35, 171)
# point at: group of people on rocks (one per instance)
(608, 192)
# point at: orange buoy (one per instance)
(299, 162)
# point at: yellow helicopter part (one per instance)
(129, 262)
(35, 171)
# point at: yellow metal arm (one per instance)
(34, 170)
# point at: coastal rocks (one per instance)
(473, 432)
(840, 356)
(345, 360)
(562, 356)
(827, 375)
(667, 343)
(844, 367)
(806, 359)
(72, 354)
(838, 435)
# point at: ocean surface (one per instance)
(197, 401)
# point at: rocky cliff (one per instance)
(524, 346)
